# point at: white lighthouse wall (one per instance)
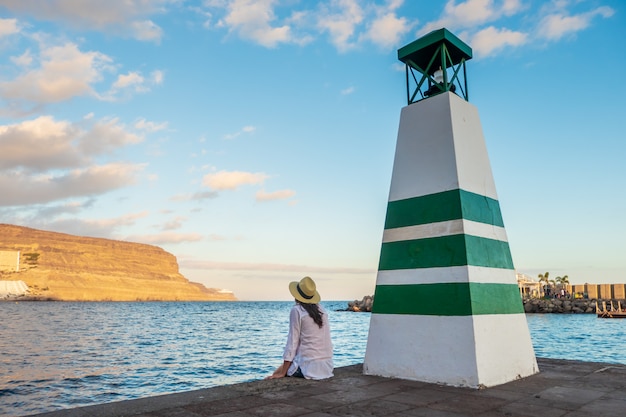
(464, 273)
(424, 162)
(504, 350)
(440, 147)
(437, 349)
(469, 351)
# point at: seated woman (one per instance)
(309, 351)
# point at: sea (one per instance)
(60, 355)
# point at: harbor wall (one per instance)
(601, 291)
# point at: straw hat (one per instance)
(304, 291)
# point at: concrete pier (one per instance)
(562, 388)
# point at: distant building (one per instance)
(601, 291)
(530, 288)
(10, 289)
(10, 260)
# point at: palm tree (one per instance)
(545, 279)
(563, 282)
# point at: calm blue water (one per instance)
(64, 355)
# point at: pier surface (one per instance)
(562, 388)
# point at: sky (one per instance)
(254, 140)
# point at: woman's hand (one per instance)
(281, 371)
(277, 374)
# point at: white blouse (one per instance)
(309, 346)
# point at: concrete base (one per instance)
(495, 355)
(563, 388)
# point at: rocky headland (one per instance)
(364, 305)
(58, 266)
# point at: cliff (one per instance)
(64, 267)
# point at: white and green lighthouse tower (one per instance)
(447, 308)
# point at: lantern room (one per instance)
(434, 64)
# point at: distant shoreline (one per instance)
(37, 299)
(531, 305)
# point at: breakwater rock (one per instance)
(365, 305)
(565, 305)
(531, 305)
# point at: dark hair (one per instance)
(314, 312)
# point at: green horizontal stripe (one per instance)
(444, 206)
(445, 251)
(448, 299)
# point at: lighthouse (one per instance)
(447, 308)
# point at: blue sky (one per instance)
(254, 140)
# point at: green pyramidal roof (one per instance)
(421, 51)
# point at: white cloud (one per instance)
(340, 20)
(23, 60)
(398, 67)
(121, 17)
(555, 26)
(511, 7)
(491, 40)
(243, 130)
(204, 195)
(43, 159)
(147, 30)
(44, 143)
(347, 22)
(133, 81)
(86, 227)
(347, 91)
(262, 195)
(20, 188)
(252, 19)
(70, 207)
(472, 13)
(173, 224)
(157, 77)
(64, 72)
(386, 29)
(39, 145)
(100, 178)
(105, 136)
(53, 217)
(8, 27)
(164, 238)
(231, 180)
(143, 124)
(471, 16)
(128, 80)
(243, 266)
